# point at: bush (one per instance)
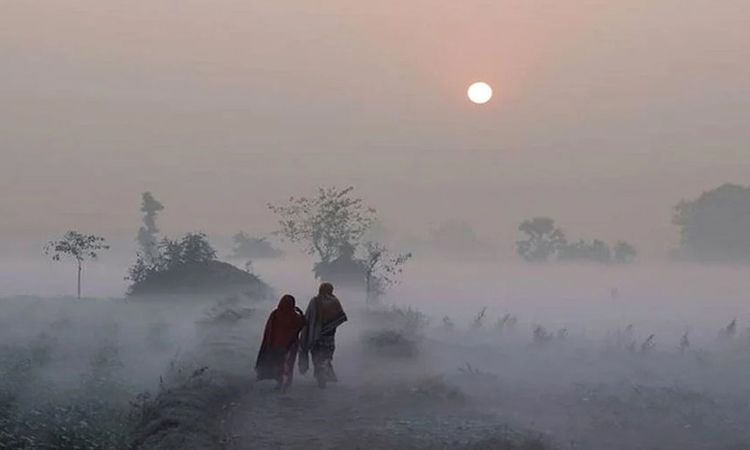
(394, 332)
(189, 266)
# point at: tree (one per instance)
(253, 247)
(326, 223)
(345, 270)
(381, 270)
(624, 252)
(77, 246)
(715, 226)
(581, 251)
(189, 265)
(191, 249)
(147, 233)
(544, 239)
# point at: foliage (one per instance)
(381, 270)
(77, 246)
(326, 223)
(147, 233)
(344, 270)
(192, 248)
(543, 241)
(596, 251)
(714, 227)
(478, 321)
(395, 332)
(88, 419)
(624, 252)
(189, 265)
(253, 247)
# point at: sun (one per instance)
(480, 92)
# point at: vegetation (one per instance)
(714, 227)
(345, 270)
(77, 246)
(394, 332)
(545, 241)
(325, 224)
(332, 226)
(189, 265)
(624, 252)
(381, 270)
(253, 247)
(147, 234)
(596, 251)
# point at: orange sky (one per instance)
(605, 112)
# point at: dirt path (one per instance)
(350, 417)
(369, 409)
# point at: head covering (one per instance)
(284, 324)
(280, 339)
(325, 289)
(287, 303)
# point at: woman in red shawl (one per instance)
(278, 350)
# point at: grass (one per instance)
(60, 392)
(101, 411)
(34, 416)
(394, 332)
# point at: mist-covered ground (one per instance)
(486, 351)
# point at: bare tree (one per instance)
(77, 246)
(325, 224)
(381, 270)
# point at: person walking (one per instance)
(278, 351)
(318, 338)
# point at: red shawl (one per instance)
(280, 337)
(283, 325)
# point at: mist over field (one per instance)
(562, 265)
(583, 381)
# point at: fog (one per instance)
(466, 378)
(606, 114)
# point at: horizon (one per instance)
(605, 115)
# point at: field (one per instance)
(467, 356)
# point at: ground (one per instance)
(386, 403)
(403, 385)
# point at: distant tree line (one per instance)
(251, 247)
(544, 241)
(332, 225)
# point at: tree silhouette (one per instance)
(544, 239)
(147, 233)
(624, 252)
(77, 246)
(325, 224)
(597, 251)
(715, 226)
(381, 270)
(253, 247)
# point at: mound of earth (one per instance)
(212, 277)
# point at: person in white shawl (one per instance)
(324, 315)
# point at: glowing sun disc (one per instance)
(479, 92)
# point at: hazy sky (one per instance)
(606, 113)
